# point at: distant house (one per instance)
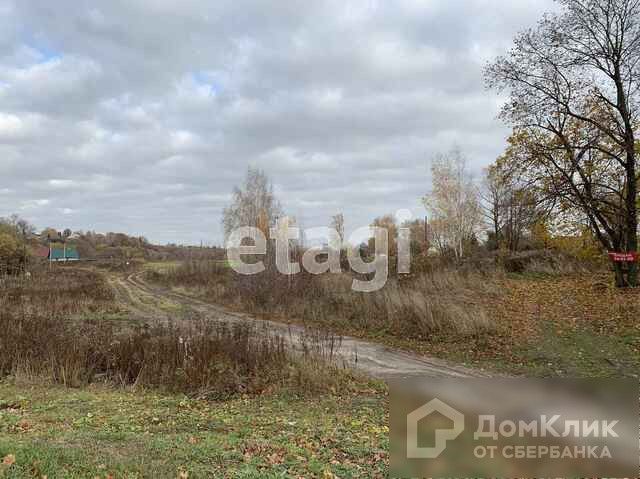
(41, 252)
(58, 253)
(70, 253)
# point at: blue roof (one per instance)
(59, 253)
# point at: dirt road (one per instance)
(154, 303)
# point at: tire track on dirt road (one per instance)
(373, 359)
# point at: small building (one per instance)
(69, 253)
(58, 253)
(41, 252)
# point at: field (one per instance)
(95, 387)
(106, 432)
(228, 230)
(571, 326)
(163, 373)
(540, 322)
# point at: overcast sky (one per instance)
(140, 115)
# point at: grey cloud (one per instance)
(140, 116)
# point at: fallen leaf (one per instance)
(275, 459)
(9, 460)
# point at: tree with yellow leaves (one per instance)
(574, 100)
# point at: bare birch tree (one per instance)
(453, 203)
(337, 224)
(254, 204)
(509, 205)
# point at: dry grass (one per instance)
(204, 358)
(435, 302)
(546, 314)
(63, 291)
(546, 262)
(47, 335)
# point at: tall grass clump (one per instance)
(201, 358)
(61, 291)
(442, 302)
(192, 273)
(437, 301)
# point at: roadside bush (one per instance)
(202, 358)
(545, 262)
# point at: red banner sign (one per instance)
(624, 257)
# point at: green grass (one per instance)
(583, 353)
(97, 432)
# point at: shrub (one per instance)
(11, 253)
(201, 358)
(545, 262)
